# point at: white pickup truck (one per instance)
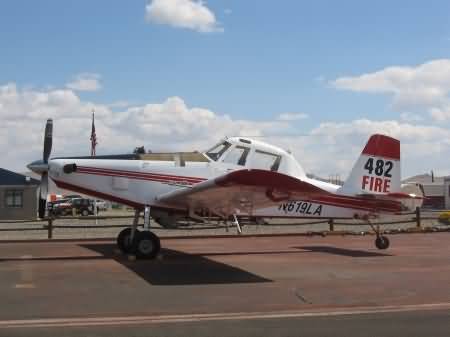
(101, 205)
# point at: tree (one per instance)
(139, 150)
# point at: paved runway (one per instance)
(279, 285)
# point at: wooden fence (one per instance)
(50, 224)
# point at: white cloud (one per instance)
(410, 117)
(188, 14)
(292, 116)
(159, 126)
(423, 88)
(423, 147)
(330, 148)
(441, 113)
(85, 82)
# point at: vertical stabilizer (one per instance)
(377, 170)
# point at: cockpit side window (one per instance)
(217, 151)
(237, 155)
(266, 161)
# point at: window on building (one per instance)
(218, 150)
(266, 161)
(14, 198)
(237, 155)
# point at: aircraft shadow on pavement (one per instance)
(342, 251)
(179, 268)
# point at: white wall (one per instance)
(447, 192)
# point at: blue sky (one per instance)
(266, 59)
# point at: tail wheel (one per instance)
(146, 245)
(382, 242)
(124, 240)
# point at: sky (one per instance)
(316, 78)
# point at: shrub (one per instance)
(444, 217)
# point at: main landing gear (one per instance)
(143, 244)
(381, 242)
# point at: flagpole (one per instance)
(93, 145)
(93, 135)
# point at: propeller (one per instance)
(41, 167)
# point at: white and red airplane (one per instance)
(237, 177)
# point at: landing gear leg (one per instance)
(381, 241)
(127, 235)
(146, 244)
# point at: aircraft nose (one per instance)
(38, 166)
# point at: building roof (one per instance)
(425, 179)
(8, 178)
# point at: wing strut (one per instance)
(236, 223)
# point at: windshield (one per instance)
(266, 161)
(218, 150)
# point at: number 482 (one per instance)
(381, 167)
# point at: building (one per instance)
(18, 196)
(447, 192)
(436, 190)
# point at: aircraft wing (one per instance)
(241, 191)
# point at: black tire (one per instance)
(382, 242)
(123, 240)
(84, 212)
(146, 245)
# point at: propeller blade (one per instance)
(44, 186)
(42, 206)
(43, 191)
(48, 138)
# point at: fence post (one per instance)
(331, 223)
(50, 228)
(418, 223)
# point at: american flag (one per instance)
(93, 137)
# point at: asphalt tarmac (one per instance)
(238, 286)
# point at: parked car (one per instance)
(60, 207)
(83, 206)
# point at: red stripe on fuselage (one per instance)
(161, 180)
(139, 175)
(360, 203)
(94, 193)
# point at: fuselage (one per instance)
(139, 182)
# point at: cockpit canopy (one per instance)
(217, 150)
(254, 154)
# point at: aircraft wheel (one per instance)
(146, 245)
(124, 240)
(382, 242)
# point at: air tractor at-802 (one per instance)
(237, 177)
